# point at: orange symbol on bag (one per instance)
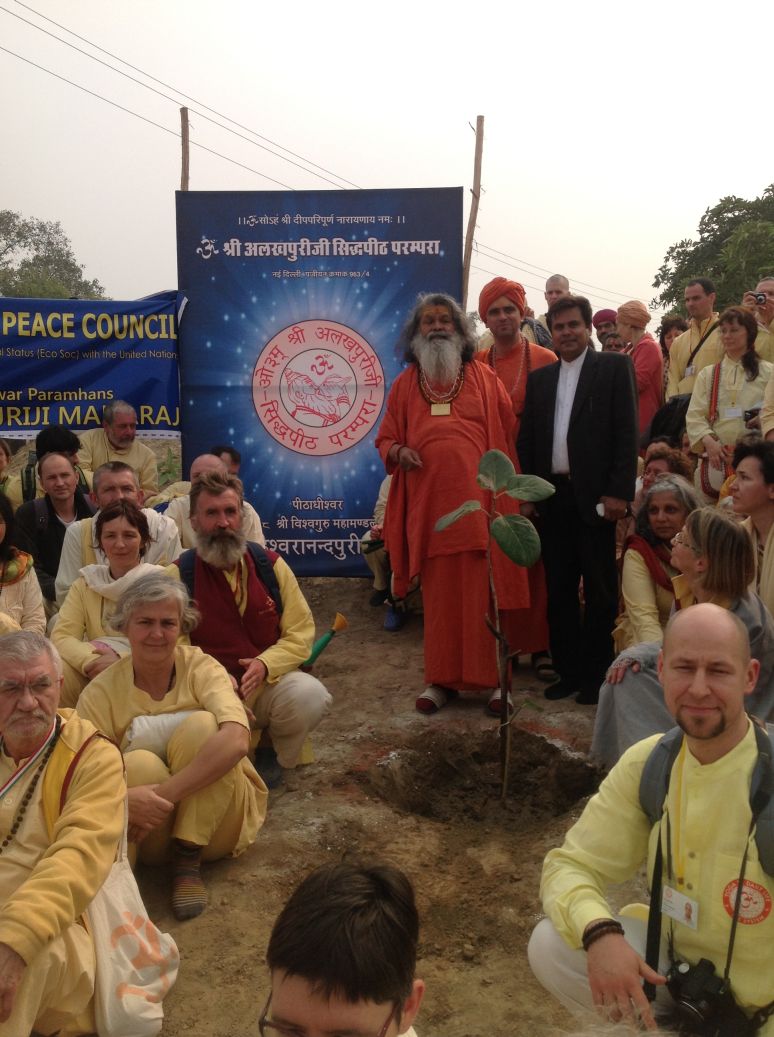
(149, 954)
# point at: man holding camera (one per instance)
(583, 953)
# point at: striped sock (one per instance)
(189, 896)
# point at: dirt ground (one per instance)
(421, 792)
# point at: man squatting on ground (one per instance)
(261, 641)
(706, 827)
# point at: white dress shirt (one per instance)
(569, 373)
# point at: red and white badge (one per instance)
(756, 902)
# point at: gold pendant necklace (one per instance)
(440, 403)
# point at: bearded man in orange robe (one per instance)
(501, 306)
(444, 412)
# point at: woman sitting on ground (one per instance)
(21, 600)
(184, 735)
(647, 589)
(83, 632)
(714, 556)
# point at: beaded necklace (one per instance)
(31, 787)
(440, 403)
(526, 358)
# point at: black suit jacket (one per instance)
(602, 438)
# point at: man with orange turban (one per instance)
(631, 320)
(501, 306)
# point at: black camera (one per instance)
(703, 1003)
(760, 298)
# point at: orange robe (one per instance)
(460, 652)
(525, 629)
(513, 373)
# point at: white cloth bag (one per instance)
(137, 964)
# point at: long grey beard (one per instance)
(222, 549)
(439, 357)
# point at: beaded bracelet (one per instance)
(595, 932)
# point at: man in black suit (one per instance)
(579, 431)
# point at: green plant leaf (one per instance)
(529, 488)
(494, 471)
(463, 509)
(517, 538)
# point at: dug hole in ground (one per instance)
(423, 793)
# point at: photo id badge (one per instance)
(732, 412)
(680, 907)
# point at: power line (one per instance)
(166, 97)
(541, 269)
(603, 298)
(158, 125)
(169, 86)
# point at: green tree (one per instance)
(37, 261)
(735, 249)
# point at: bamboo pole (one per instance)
(473, 209)
(185, 149)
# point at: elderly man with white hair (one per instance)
(62, 791)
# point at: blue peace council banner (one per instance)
(296, 301)
(64, 359)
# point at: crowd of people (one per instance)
(157, 622)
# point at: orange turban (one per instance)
(501, 286)
(634, 313)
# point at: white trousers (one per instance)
(289, 710)
(562, 970)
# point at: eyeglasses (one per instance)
(37, 687)
(267, 1028)
(682, 538)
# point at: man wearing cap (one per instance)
(631, 321)
(604, 324)
(501, 307)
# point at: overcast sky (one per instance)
(607, 135)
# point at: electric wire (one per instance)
(144, 118)
(169, 86)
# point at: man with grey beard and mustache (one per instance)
(443, 413)
(255, 622)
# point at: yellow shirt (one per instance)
(680, 381)
(96, 449)
(111, 701)
(296, 625)
(735, 394)
(647, 605)
(709, 811)
(46, 883)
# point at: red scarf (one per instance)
(655, 558)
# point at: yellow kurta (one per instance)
(48, 879)
(709, 814)
(96, 449)
(111, 701)
(735, 393)
(647, 606)
(764, 570)
(679, 380)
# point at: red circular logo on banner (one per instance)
(318, 387)
(756, 902)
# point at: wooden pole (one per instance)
(473, 210)
(185, 149)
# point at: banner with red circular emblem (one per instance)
(291, 338)
(318, 387)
